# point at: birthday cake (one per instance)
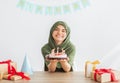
(57, 54)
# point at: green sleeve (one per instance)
(71, 55)
(45, 51)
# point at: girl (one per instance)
(59, 37)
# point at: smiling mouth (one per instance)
(59, 36)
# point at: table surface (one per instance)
(57, 77)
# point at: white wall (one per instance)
(95, 31)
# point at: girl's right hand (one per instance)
(53, 61)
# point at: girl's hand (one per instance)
(47, 57)
(52, 51)
(53, 61)
(64, 60)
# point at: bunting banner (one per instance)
(51, 9)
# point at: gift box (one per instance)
(100, 77)
(8, 71)
(5, 66)
(90, 66)
(1, 75)
(117, 74)
(105, 75)
(12, 77)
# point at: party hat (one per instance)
(26, 67)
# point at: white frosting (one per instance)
(57, 56)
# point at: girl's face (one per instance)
(59, 34)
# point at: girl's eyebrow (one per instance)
(65, 29)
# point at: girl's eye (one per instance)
(63, 30)
(56, 29)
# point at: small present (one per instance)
(12, 77)
(8, 70)
(89, 67)
(5, 66)
(104, 75)
(21, 74)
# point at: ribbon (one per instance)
(102, 71)
(10, 76)
(7, 62)
(14, 72)
(94, 63)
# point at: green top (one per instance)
(66, 45)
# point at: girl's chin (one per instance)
(59, 40)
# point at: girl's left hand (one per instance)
(64, 60)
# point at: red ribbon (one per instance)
(7, 62)
(9, 77)
(102, 71)
(12, 71)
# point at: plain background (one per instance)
(95, 31)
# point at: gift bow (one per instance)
(93, 63)
(102, 71)
(12, 71)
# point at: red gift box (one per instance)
(90, 66)
(12, 77)
(104, 75)
(5, 66)
(8, 71)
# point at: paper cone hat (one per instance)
(26, 67)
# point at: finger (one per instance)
(67, 58)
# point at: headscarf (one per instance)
(66, 45)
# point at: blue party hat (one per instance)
(26, 67)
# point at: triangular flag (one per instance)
(26, 67)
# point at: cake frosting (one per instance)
(57, 56)
(57, 53)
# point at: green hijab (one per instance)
(66, 45)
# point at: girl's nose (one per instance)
(59, 32)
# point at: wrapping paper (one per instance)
(5, 66)
(1, 75)
(8, 71)
(12, 77)
(117, 74)
(101, 78)
(105, 75)
(89, 67)
(22, 74)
